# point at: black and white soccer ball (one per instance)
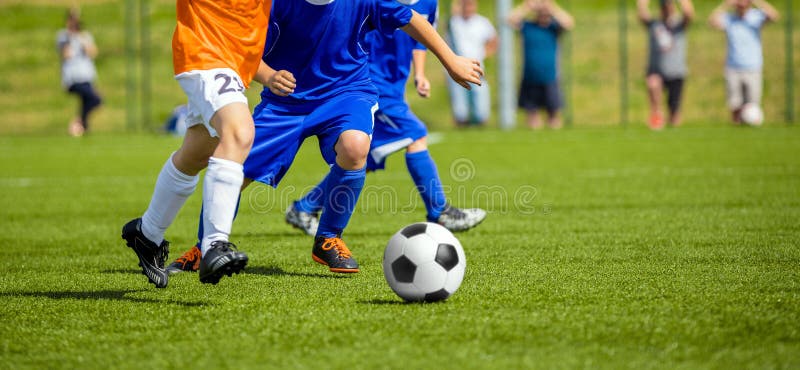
(424, 262)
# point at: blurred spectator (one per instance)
(473, 36)
(540, 22)
(176, 123)
(742, 21)
(77, 50)
(666, 63)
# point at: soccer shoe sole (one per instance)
(229, 264)
(159, 280)
(334, 269)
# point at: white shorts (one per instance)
(208, 91)
(739, 83)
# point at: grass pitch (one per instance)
(603, 249)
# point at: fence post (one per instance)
(505, 60)
(566, 64)
(789, 80)
(623, 61)
(145, 77)
(131, 120)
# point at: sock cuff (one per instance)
(417, 155)
(178, 175)
(225, 164)
(341, 172)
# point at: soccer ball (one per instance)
(752, 114)
(424, 262)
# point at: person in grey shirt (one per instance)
(666, 64)
(77, 51)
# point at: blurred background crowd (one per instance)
(649, 63)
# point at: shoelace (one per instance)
(341, 248)
(189, 257)
(224, 246)
(162, 257)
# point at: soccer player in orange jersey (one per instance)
(217, 48)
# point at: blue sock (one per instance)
(426, 177)
(313, 201)
(342, 190)
(200, 225)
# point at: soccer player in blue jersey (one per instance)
(396, 127)
(317, 82)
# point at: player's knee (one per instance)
(241, 136)
(653, 82)
(352, 149)
(418, 146)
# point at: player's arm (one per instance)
(420, 80)
(687, 8)
(519, 14)
(281, 83)
(717, 17)
(643, 11)
(462, 70)
(564, 19)
(491, 46)
(88, 45)
(769, 10)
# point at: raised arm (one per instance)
(769, 10)
(687, 8)
(718, 15)
(643, 11)
(462, 70)
(88, 44)
(518, 15)
(564, 19)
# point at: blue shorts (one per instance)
(396, 127)
(281, 129)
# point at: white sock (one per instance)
(173, 187)
(220, 193)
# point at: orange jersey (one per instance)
(220, 34)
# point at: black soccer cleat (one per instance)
(151, 256)
(332, 252)
(222, 258)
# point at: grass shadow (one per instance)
(277, 271)
(386, 302)
(112, 295)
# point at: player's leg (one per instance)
(176, 181)
(733, 85)
(655, 86)
(395, 127)
(553, 105)
(303, 213)
(481, 102)
(459, 102)
(345, 125)
(533, 120)
(674, 95)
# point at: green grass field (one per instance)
(676, 249)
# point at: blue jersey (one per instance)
(391, 55)
(322, 42)
(540, 45)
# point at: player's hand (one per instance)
(423, 86)
(282, 83)
(465, 71)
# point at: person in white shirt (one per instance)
(77, 50)
(473, 36)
